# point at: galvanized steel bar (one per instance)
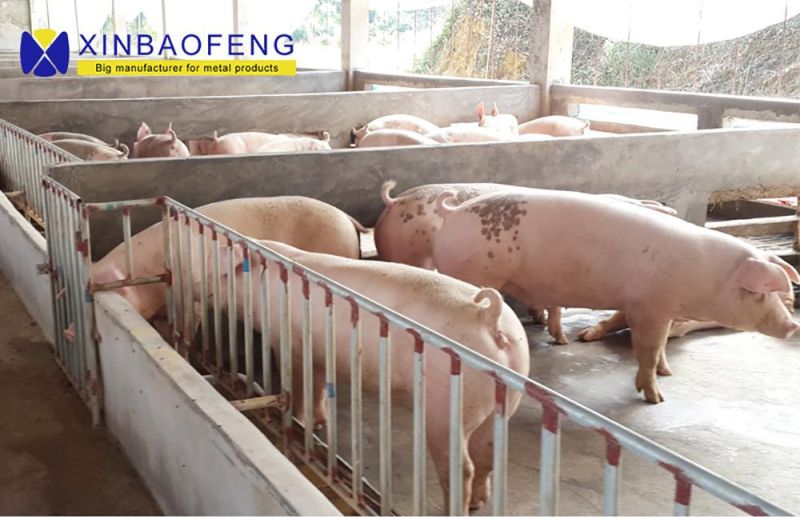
(683, 495)
(233, 353)
(330, 387)
(611, 476)
(308, 373)
(266, 335)
(216, 294)
(90, 346)
(180, 314)
(456, 436)
(418, 405)
(203, 290)
(126, 239)
(286, 353)
(356, 442)
(189, 319)
(500, 451)
(166, 231)
(247, 289)
(549, 461)
(385, 416)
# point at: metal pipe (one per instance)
(203, 290)
(266, 335)
(126, 239)
(612, 470)
(247, 287)
(330, 387)
(385, 418)
(549, 462)
(286, 354)
(216, 295)
(500, 451)
(419, 467)
(308, 373)
(189, 330)
(180, 314)
(233, 353)
(91, 352)
(456, 437)
(166, 230)
(356, 442)
(683, 495)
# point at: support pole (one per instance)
(117, 20)
(550, 59)
(355, 37)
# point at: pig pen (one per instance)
(754, 158)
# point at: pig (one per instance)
(297, 143)
(233, 143)
(532, 137)
(149, 145)
(474, 317)
(405, 229)
(504, 124)
(91, 151)
(555, 125)
(462, 133)
(558, 248)
(66, 135)
(678, 328)
(395, 137)
(397, 121)
(302, 222)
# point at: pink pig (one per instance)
(397, 121)
(475, 317)
(149, 145)
(233, 143)
(405, 230)
(394, 137)
(502, 123)
(556, 248)
(555, 125)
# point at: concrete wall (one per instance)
(334, 112)
(196, 453)
(31, 88)
(21, 249)
(15, 17)
(678, 168)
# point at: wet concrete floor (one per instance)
(51, 459)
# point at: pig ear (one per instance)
(173, 138)
(215, 137)
(790, 271)
(760, 276)
(481, 111)
(144, 130)
(495, 111)
(125, 150)
(326, 137)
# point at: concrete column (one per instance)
(550, 59)
(355, 36)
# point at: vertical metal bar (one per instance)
(418, 478)
(50, 213)
(308, 372)
(549, 466)
(69, 292)
(216, 287)
(611, 477)
(266, 336)
(203, 289)
(500, 451)
(233, 355)
(683, 495)
(58, 274)
(385, 417)
(247, 287)
(286, 354)
(180, 313)
(456, 436)
(330, 387)
(92, 366)
(189, 330)
(356, 443)
(126, 233)
(166, 230)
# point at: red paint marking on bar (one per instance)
(174, 214)
(161, 200)
(353, 311)
(83, 247)
(166, 277)
(201, 229)
(500, 398)
(613, 448)
(126, 210)
(213, 233)
(328, 297)
(542, 396)
(187, 220)
(384, 325)
(284, 273)
(683, 490)
(751, 509)
(455, 361)
(419, 343)
(676, 471)
(550, 415)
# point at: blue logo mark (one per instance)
(45, 52)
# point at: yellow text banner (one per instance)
(173, 67)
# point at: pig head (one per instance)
(149, 145)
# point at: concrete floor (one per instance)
(53, 461)
(731, 406)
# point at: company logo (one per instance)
(45, 52)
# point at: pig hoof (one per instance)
(664, 370)
(561, 339)
(592, 334)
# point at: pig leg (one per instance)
(554, 325)
(663, 366)
(482, 454)
(320, 414)
(615, 322)
(649, 335)
(537, 315)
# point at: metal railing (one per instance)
(24, 158)
(197, 249)
(69, 262)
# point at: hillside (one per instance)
(765, 63)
